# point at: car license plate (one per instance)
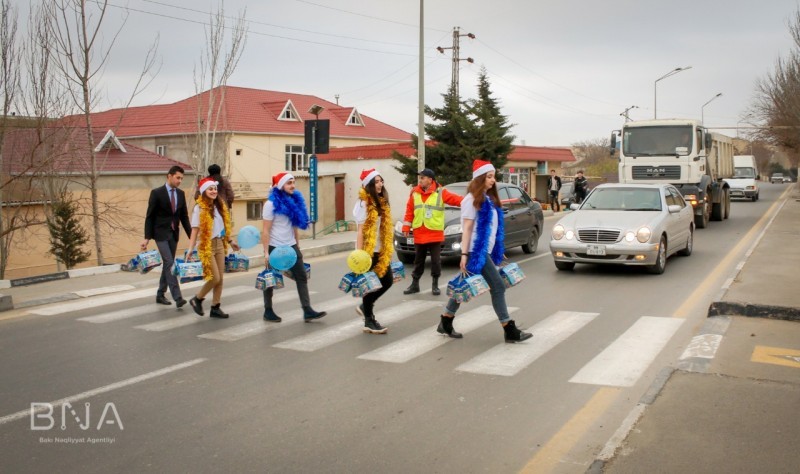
(410, 240)
(737, 193)
(595, 249)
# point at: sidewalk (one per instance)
(104, 280)
(733, 405)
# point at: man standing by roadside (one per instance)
(553, 187)
(581, 186)
(425, 218)
(166, 213)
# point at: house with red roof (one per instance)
(258, 133)
(39, 163)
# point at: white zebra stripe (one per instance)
(623, 362)
(424, 341)
(509, 359)
(343, 331)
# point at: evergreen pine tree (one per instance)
(66, 234)
(491, 139)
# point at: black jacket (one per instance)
(581, 185)
(550, 182)
(159, 217)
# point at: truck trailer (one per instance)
(682, 153)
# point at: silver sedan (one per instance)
(625, 224)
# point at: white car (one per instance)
(625, 224)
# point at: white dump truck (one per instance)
(744, 183)
(682, 153)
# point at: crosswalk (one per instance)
(620, 364)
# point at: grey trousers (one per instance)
(167, 249)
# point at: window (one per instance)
(238, 152)
(295, 158)
(161, 150)
(677, 197)
(515, 198)
(289, 113)
(254, 209)
(355, 119)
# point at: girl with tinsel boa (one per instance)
(482, 248)
(283, 215)
(374, 235)
(211, 231)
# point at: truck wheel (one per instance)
(701, 221)
(717, 209)
(727, 204)
(564, 266)
(661, 261)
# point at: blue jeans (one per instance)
(496, 289)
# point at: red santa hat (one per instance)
(368, 175)
(206, 183)
(281, 179)
(480, 167)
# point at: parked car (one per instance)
(567, 193)
(776, 178)
(523, 223)
(625, 224)
(787, 179)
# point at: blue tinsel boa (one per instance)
(477, 257)
(292, 206)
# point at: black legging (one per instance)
(386, 282)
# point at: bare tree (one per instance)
(777, 101)
(217, 63)
(78, 42)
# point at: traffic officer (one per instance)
(425, 219)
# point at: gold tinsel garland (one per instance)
(204, 236)
(370, 234)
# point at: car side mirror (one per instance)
(674, 208)
(574, 206)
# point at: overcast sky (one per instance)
(563, 70)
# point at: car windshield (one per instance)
(656, 141)
(744, 173)
(623, 199)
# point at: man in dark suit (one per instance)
(553, 187)
(166, 213)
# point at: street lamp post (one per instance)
(702, 114)
(655, 89)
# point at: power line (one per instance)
(366, 16)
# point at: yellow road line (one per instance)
(777, 356)
(552, 453)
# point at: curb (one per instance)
(732, 308)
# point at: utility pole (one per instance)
(456, 53)
(625, 112)
(421, 95)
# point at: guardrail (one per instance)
(338, 226)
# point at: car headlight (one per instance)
(452, 229)
(570, 235)
(398, 227)
(643, 234)
(558, 232)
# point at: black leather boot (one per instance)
(446, 328)
(216, 312)
(512, 334)
(435, 288)
(414, 288)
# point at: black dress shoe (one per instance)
(180, 302)
(163, 300)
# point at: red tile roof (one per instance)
(66, 151)
(245, 111)
(382, 152)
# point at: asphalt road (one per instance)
(249, 396)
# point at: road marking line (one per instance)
(60, 308)
(533, 258)
(703, 346)
(509, 359)
(623, 362)
(550, 456)
(777, 356)
(104, 290)
(259, 326)
(424, 341)
(97, 391)
(350, 329)
(149, 309)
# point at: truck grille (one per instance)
(672, 172)
(598, 236)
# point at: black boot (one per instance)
(197, 305)
(269, 315)
(372, 326)
(446, 328)
(216, 312)
(414, 288)
(512, 334)
(435, 288)
(309, 314)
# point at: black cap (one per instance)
(427, 172)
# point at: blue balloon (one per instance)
(248, 237)
(283, 258)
